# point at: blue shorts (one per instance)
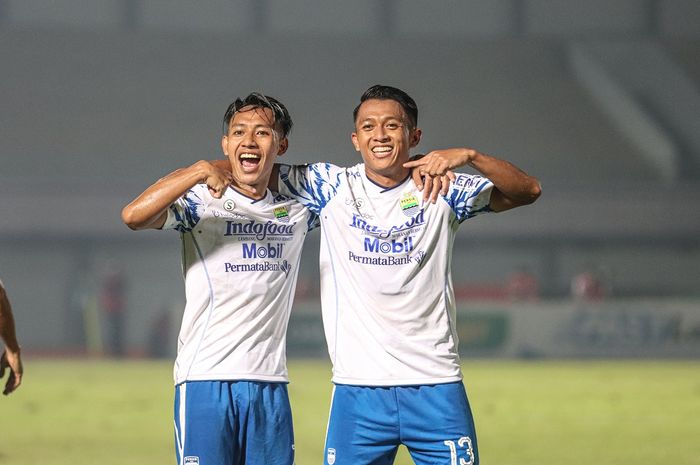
(233, 423)
(367, 425)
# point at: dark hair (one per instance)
(257, 100)
(390, 93)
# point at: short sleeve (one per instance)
(311, 185)
(185, 213)
(469, 196)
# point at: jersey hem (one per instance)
(395, 382)
(246, 377)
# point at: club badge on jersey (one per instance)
(281, 214)
(409, 204)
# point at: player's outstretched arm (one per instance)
(149, 210)
(513, 187)
(10, 359)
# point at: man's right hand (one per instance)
(11, 361)
(218, 178)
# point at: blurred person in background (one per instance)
(241, 247)
(523, 285)
(112, 297)
(10, 359)
(589, 285)
(386, 292)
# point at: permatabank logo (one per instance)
(419, 256)
(286, 267)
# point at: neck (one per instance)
(256, 192)
(388, 179)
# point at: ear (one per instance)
(353, 137)
(224, 145)
(284, 145)
(414, 138)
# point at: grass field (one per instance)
(538, 412)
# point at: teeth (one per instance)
(381, 149)
(249, 156)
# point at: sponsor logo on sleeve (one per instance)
(464, 180)
(191, 460)
(330, 456)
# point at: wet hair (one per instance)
(282, 120)
(381, 92)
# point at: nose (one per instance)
(380, 134)
(249, 140)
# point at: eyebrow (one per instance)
(257, 126)
(380, 119)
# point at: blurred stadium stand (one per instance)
(102, 97)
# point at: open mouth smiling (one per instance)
(249, 160)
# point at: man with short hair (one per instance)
(386, 292)
(240, 246)
(10, 359)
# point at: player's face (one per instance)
(252, 146)
(384, 137)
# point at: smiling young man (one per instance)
(387, 299)
(240, 246)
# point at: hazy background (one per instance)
(598, 99)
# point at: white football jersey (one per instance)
(386, 290)
(240, 259)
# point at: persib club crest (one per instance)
(331, 456)
(409, 204)
(191, 460)
(281, 214)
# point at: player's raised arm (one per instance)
(512, 186)
(149, 210)
(10, 358)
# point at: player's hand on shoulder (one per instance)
(432, 186)
(439, 162)
(216, 176)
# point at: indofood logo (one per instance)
(259, 231)
(360, 223)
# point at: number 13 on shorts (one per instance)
(464, 444)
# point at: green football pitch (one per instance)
(534, 412)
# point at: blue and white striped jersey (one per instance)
(240, 259)
(386, 291)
